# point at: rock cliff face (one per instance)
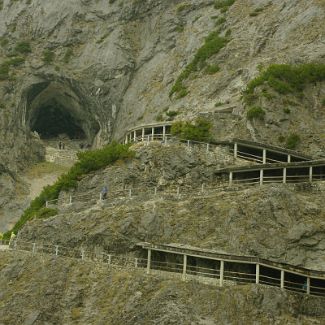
(91, 70)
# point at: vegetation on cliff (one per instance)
(88, 161)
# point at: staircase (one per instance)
(64, 157)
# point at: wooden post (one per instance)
(310, 174)
(188, 143)
(153, 133)
(126, 139)
(155, 191)
(289, 158)
(261, 176)
(134, 136)
(70, 199)
(136, 263)
(82, 254)
(130, 192)
(308, 286)
(284, 175)
(231, 175)
(235, 150)
(264, 156)
(56, 250)
(257, 279)
(142, 134)
(184, 267)
(282, 279)
(208, 146)
(222, 269)
(164, 132)
(149, 261)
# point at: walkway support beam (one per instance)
(257, 279)
(264, 156)
(282, 280)
(222, 270)
(184, 267)
(149, 261)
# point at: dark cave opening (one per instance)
(53, 120)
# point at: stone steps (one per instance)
(66, 157)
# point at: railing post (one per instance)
(56, 250)
(308, 286)
(261, 176)
(289, 158)
(231, 175)
(310, 174)
(136, 263)
(264, 156)
(142, 134)
(164, 133)
(282, 279)
(235, 149)
(109, 259)
(82, 254)
(34, 248)
(155, 191)
(284, 175)
(178, 190)
(202, 188)
(130, 192)
(208, 146)
(257, 279)
(135, 136)
(188, 143)
(184, 267)
(149, 261)
(46, 204)
(100, 196)
(222, 269)
(70, 199)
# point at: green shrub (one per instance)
(212, 69)
(256, 112)
(45, 213)
(223, 4)
(179, 28)
(4, 41)
(4, 71)
(220, 21)
(293, 141)
(212, 45)
(48, 56)
(68, 55)
(323, 102)
(88, 161)
(15, 62)
(200, 130)
(217, 104)
(281, 138)
(182, 7)
(286, 110)
(172, 113)
(23, 47)
(285, 79)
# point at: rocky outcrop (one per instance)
(65, 291)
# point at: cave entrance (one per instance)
(61, 110)
(53, 121)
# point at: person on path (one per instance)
(104, 192)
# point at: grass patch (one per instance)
(255, 112)
(45, 168)
(68, 55)
(286, 110)
(200, 130)
(182, 7)
(48, 56)
(293, 141)
(220, 21)
(323, 102)
(88, 161)
(212, 69)
(223, 5)
(212, 45)
(23, 47)
(287, 79)
(6, 65)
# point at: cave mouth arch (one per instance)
(59, 109)
(54, 121)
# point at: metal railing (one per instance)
(193, 272)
